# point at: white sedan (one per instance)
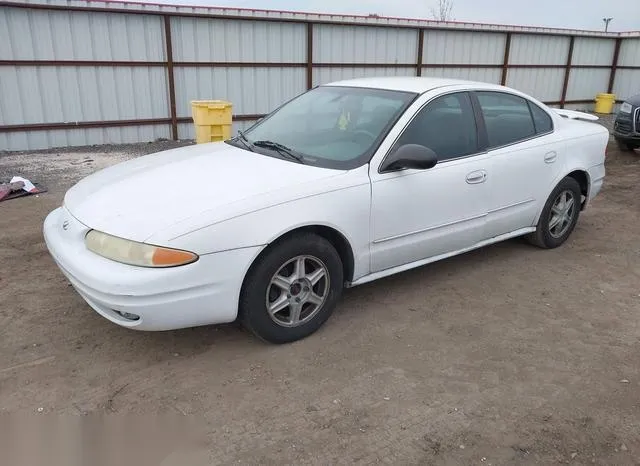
(347, 183)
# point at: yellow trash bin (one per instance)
(212, 120)
(604, 103)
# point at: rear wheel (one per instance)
(292, 289)
(559, 215)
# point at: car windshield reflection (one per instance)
(332, 126)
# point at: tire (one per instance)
(301, 301)
(555, 227)
(625, 146)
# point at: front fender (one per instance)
(346, 210)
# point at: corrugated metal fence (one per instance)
(84, 72)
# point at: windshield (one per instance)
(332, 127)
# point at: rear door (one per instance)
(526, 157)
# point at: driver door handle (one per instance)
(479, 176)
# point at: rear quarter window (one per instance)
(541, 119)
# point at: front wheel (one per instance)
(559, 215)
(292, 289)
(625, 146)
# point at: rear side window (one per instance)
(507, 118)
(541, 119)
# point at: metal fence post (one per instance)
(171, 80)
(505, 62)
(420, 50)
(614, 65)
(309, 55)
(567, 71)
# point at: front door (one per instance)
(420, 214)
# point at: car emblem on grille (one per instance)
(65, 225)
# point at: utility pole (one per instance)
(606, 23)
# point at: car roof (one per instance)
(415, 84)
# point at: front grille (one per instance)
(628, 125)
(623, 126)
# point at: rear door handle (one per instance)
(479, 176)
(550, 157)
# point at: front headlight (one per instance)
(133, 253)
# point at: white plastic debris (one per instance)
(28, 185)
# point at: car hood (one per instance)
(140, 197)
(634, 100)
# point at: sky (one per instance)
(573, 14)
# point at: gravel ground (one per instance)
(506, 355)
(139, 148)
(56, 168)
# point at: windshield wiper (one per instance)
(282, 149)
(244, 140)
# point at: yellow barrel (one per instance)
(212, 120)
(604, 103)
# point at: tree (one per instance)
(443, 10)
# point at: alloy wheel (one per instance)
(297, 291)
(562, 213)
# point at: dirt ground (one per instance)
(506, 355)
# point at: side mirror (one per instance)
(410, 156)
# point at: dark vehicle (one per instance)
(626, 129)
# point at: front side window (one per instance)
(330, 126)
(445, 125)
(507, 118)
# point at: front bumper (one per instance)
(627, 128)
(204, 292)
(627, 137)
